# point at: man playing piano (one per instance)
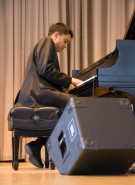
(44, 84)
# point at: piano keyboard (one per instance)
(88, 80)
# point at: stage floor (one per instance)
(27, 174)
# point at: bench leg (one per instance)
(48, 162)
(52, 165)
(46, 156)
(15, 151)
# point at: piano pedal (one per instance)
(131, 169)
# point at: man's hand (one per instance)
(76, 81)
(69, 88)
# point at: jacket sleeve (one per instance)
(47, 65)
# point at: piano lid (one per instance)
(111, 58)
(130, 31)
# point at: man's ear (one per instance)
(56, 34)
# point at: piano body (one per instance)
(114, 74)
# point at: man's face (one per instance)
(61, 41)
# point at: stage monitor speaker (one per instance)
(94, 136)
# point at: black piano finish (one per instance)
(115, 72)
(120, 76)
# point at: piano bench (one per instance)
(31, 122)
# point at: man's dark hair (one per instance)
(61, 28)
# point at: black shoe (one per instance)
(34, 154)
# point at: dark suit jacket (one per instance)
(43, 79)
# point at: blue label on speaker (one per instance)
(72, 129)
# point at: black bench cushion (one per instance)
(33, 118)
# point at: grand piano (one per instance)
(114, 74)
